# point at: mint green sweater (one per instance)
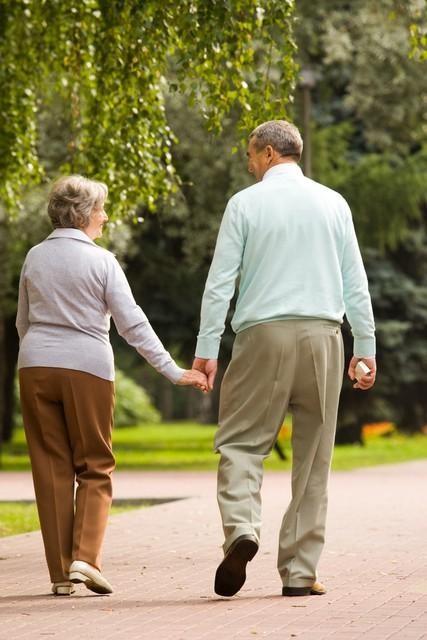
(291, 244)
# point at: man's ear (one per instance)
(269, 152)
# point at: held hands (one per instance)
(193, 378)
(367, 381)
(208, 367)
(202, 375)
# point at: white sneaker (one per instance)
(93, 579)
(62, 588)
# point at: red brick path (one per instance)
(161, 561)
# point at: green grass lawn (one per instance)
(21, 517)
(188, 445)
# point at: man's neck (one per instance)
(282, 160)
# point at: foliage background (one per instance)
(157, 100)
(87, 94)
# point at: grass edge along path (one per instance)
(189, 446)
(22, 517)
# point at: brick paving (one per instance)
(161, 561)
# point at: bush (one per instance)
(133, 404)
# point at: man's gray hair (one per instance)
(72, 200)
(283, 136)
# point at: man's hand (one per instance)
(208, 367)
(368, 381)
(192, 378)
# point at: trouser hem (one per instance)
(299, 582)
(243, 531)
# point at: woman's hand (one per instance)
(193, 378)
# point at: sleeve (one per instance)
(22, 320)
(357, 301)
(133, 325)
(221, 281)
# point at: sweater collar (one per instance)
(75, 234)
(283, 168)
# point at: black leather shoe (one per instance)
(231, 573)
(317, 589)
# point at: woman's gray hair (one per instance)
(283, 136)
(72, 200)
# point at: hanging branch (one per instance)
(113, 64)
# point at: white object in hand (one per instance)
(361, 370)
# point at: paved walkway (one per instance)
(161, 561)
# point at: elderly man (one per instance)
(291, 242)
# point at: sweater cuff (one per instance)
(172, 372)
(207, 348)
(364, 347)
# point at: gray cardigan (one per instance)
(68, 290)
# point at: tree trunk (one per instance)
(166, 399)
(2, 377)
(10, 351)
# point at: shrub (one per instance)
(133, 404)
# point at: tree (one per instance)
(417, 10)
(398, 286)
(87, 94)
(16, 236)
(370, 144)
(112, 61)
(360, 55)
(385, 189)
(380, 170)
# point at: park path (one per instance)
(161, 561)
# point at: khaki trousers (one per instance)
(294, 365)
(68, 418)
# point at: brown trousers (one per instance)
(68, 419)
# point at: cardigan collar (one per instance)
(75, 234)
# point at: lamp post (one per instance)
(307, 80)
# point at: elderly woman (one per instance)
(69, 287)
